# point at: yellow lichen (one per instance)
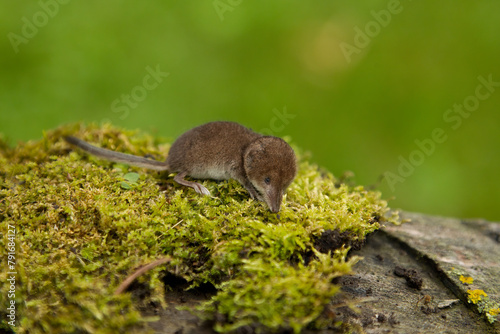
(475, 295)
(466, 280)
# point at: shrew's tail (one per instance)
(125, 158)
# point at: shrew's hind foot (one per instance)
(199, 188)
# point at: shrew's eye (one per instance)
(267, 180)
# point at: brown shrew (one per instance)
(264, 165)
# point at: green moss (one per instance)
(283, 295)
(84, 224)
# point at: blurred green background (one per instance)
(356, 84)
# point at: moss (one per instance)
(84, 224)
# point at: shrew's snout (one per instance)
(273, 200)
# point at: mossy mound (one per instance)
(84, 224)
